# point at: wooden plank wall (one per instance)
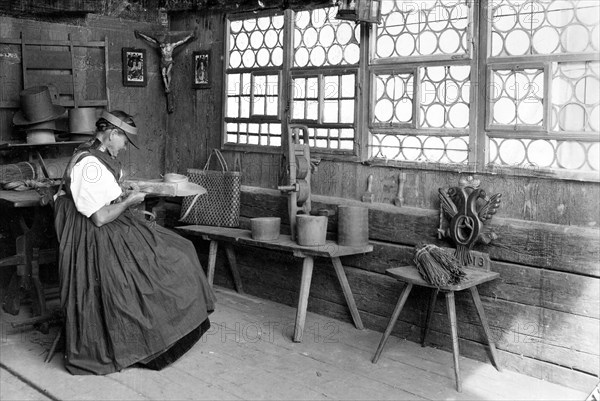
(544, 310)
(146, 104)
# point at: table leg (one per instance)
(430, 308)
(341, 274)
(392, 322)
(454, 334)
(486, 328)
(237, 280)
(212, 259)
(307, 269)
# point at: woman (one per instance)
(131, 292)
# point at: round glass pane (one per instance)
(434, 116)
(438, 19)
(571, 155)
(335, 54)
(310, 37)
(317, 56)
(433, 148)
(277, 21)
(390, 146)
(344, 33)
(379, 88)
(436, 74)
(497, 42)
(493, 150)
(326, 36)
(571, 117)
(560, 13)
(249, 25)
(512, 152)
(256, 39)
(404, 110)
(248, 58)
(531, 113)
(412, 23)
(457, 150)
(546, 40)
(384, 110)
(460, 72)
(505, 111)
(302, 19)
(427, 43)
(459, 115)
(459, 16)
(531, 15)
(540, 153)
(318, 17)
(517, 42)
(594, 156)
(405, 45)
(242, 41)
(574, 38)
(449, 42)
(385, 46)
(352, 53)
(411, 148)
(235, 26)
(504, 19)
(271, 38)
(235, 59)
(262, 57)
(395, 87)
(277, 56)
(264, 23)
(394, 23)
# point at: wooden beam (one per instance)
(51, 6)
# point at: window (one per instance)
(468, 85)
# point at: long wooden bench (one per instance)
(229, 236)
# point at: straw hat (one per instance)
(82, 121)
(41, 133)
(36, 107)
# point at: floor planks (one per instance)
(248, 354)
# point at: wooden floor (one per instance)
(248, 354)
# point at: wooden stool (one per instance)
(474, 277)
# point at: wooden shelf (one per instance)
(9, 146)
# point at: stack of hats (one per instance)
(38, 115)
(82, 123)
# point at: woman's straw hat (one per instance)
(41, 133)
(82, 121)
(36, 107)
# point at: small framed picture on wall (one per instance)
(201, 68)
(134, 67)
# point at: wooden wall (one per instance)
(146, 104)
(544, 310)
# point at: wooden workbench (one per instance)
(229, 236)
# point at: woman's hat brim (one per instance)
(20, 119)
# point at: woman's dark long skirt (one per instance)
(131, 292)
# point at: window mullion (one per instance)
(479, 101)
(286, 86)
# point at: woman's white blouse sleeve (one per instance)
(92, 186)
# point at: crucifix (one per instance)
(166, 44)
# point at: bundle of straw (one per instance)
(436, 266)
(20, 171)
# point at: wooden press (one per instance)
(298, 188)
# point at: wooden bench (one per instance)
(474, 277)
(228, 236)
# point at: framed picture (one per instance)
(201, 68)
(134, 67)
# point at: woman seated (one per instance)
(131, 292)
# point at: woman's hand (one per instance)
(135, 198)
